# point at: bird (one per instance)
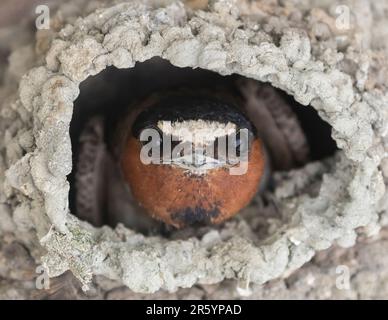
(202, 185)
(185, 156)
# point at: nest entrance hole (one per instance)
(111, 92)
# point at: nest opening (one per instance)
(110, 93)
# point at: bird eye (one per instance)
(237, 146)
(173, 153)
(152, 140)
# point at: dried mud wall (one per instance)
(300, 47)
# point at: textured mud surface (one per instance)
(295, 46)
(319, 279)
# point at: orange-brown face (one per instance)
(179, 197)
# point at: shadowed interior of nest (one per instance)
(110, 92)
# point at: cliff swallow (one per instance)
(186, 156)
(211, 169)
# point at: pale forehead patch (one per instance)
(197, 131)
